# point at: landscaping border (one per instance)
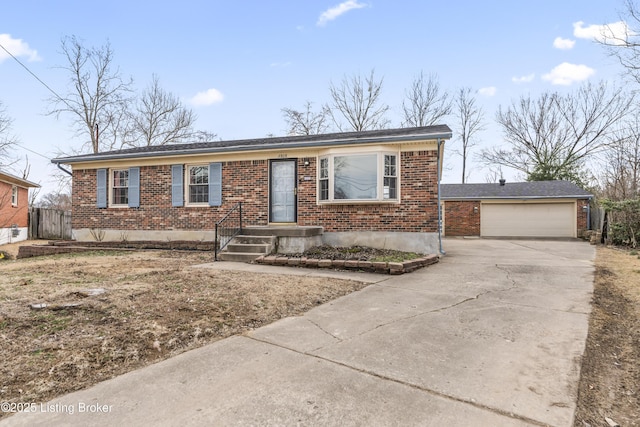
(381, 267)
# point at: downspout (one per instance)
(64, 170)
(439, 168)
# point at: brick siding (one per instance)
(460, 219)
(581, 212)
(248, 182)
(9, 214)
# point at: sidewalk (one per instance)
(492, 335)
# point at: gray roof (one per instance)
(324, 140)
(514, 190)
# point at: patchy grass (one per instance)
(359, 253)
(610, 376)
(156, 305)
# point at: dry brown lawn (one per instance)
(155, 306)
(610, 376)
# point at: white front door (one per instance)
(282, 191)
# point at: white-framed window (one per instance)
(120, 187)
(198, 184)
(358, 177)
(14, 195)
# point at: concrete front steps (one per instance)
(256, 241)
(246, 248)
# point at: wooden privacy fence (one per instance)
(49, 224)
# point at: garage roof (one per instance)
(514, 190)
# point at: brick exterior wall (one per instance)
(581, 212)
(460, 219)
(248, 182)
(9, 214)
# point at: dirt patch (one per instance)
(154, 306)
(610, 376)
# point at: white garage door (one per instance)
(528, 220)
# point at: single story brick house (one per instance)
(378, 188)
(515, 209)
(14, 208)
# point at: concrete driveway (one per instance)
(490, 336)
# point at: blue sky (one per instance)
(237, 64)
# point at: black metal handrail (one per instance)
(227, 228)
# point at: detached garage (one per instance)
(518, 209)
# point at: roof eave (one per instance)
(582, 196)
(253, 147)
(20, 182)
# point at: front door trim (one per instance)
(292, 215)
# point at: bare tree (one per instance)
(159, 118)
(623, 40)
(56, 200)
(358, 101)
(98, 95)
(493, 174)
(620, 172)
(425, 103)
(552, 137)
(7, 140)
(470, 121)
(204, 136)
(307, 121)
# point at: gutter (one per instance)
(62, 169)
(212, 149)
(439, 168)
(581, 196)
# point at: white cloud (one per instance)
(335, 11)
(208, 97)
(563, 44)
(566, 74)
(17, 48)
(487, 91)
(616, 33)
(524, 79)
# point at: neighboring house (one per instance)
(374, 187)
(14, 208)
(515, 209)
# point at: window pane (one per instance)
(324, 168)
(324, 189)
(199, 175)
(199, 184)
(389, 165)
(120, 196)
(390, 191)
(198, 194)
(120, 191)
(355, 177)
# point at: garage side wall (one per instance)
(462, 218)
(582, 214)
